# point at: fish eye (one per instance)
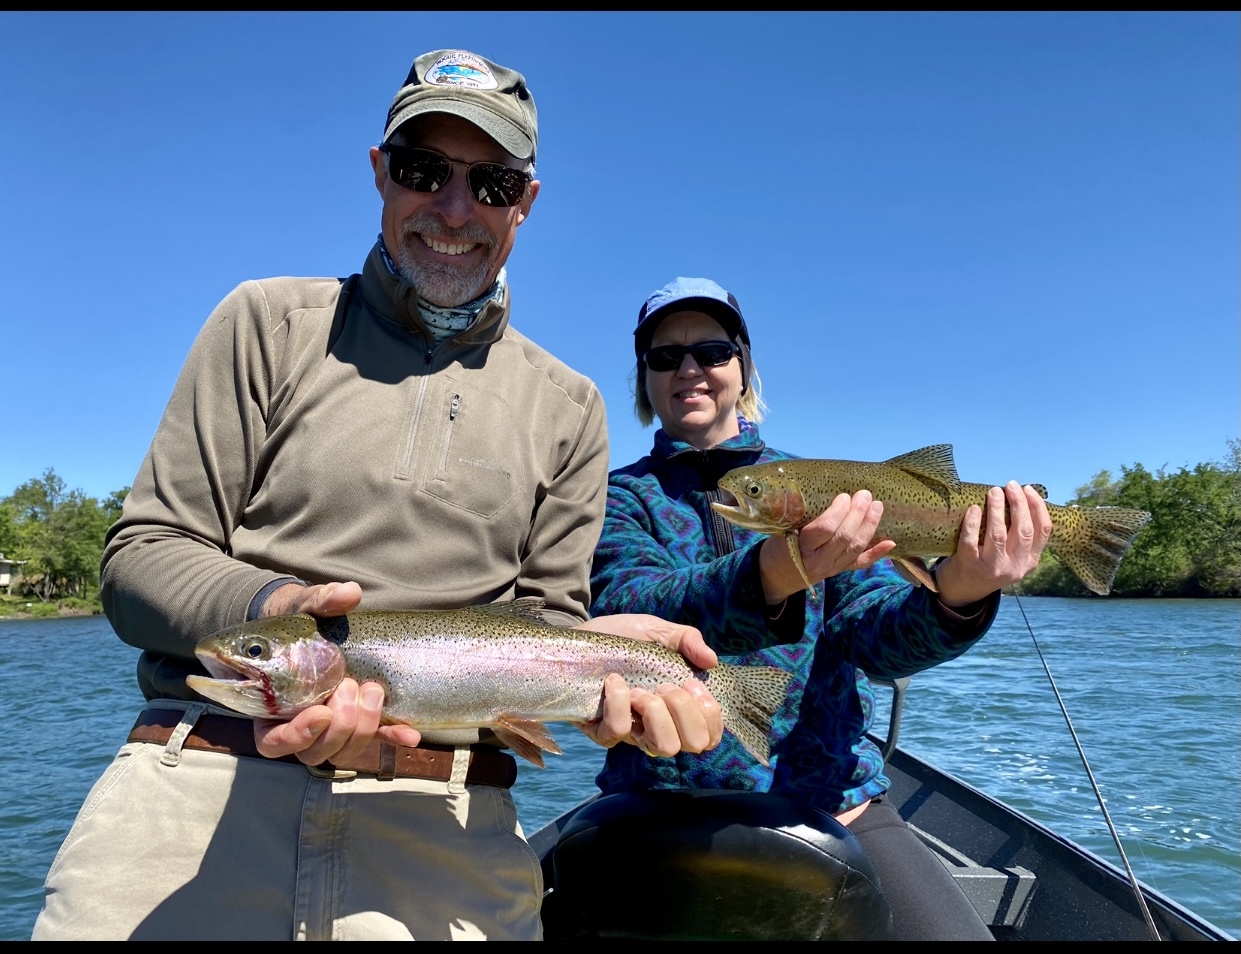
(255, 650)
(754, 490)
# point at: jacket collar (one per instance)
(747, 443)
(395, 300)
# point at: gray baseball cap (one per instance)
(492, 97)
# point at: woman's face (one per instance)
(694, 404)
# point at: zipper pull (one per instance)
(454, 407)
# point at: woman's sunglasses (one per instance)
(708, 354)
(423, 170)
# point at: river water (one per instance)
(1152, 687)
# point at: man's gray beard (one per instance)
(442, 284)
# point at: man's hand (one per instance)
(325, 599)
(838, 539)
(347, 722)
(671, 719)
(1002, 554)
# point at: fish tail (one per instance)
(1091, 541)
(749, 697)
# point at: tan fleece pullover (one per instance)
(316, 432)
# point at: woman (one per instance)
(663, 551)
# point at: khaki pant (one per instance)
(222, 847)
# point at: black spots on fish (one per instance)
(749, 697)
(933, 463)
(525, 608)
(1091, 541)
(334, 628)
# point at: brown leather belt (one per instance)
(229, 736)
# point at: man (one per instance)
(388, 439)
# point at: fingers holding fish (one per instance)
(678, 637)
(1029, 528)
(349, 728)
(1013, 545)
(672, 720)
(841, 537)
(339, 730)
(616, 721)
(710, 709)
(276, 739)
(999, 551)
(325, 599)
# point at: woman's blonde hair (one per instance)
(750, 405)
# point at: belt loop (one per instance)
(387, 762)
(172, 750)
(460, 767)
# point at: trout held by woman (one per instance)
(924, 502)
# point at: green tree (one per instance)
(8, 529)
(1192, 545)
(59, 534)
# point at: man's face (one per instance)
(447, 244)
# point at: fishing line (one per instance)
(1137, 890)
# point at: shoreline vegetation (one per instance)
(23, 608)
(51, 539)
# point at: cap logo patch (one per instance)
(461, 68)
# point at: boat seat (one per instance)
(709, 865)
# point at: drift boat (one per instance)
(753, 866)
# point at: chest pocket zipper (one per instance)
(453, 408)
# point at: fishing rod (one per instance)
(1137, 890)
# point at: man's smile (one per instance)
(448, 248)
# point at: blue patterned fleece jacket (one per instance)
(664, 551)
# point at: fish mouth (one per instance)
(228, 671)
(739, 510)
(232, 675)
(236, 686)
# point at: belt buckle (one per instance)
(331, 772)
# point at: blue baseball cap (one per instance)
(693, 294)
(690, 294)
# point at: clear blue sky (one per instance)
(1014, 233)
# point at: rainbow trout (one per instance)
(498, 666)
(924, 502)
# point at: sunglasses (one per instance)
(708, 354)
(423, 170)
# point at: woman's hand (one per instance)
(1001, 553)
(838, 539)
(672, 719)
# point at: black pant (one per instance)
(927, 904)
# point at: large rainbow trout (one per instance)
(924, 502)
(497, 666)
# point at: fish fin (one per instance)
(1040, 490)
(934, 463)
(749, 697)
(527, 738)
(791, 539)
(915, 570)
(1091, 541)
(528, 608)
